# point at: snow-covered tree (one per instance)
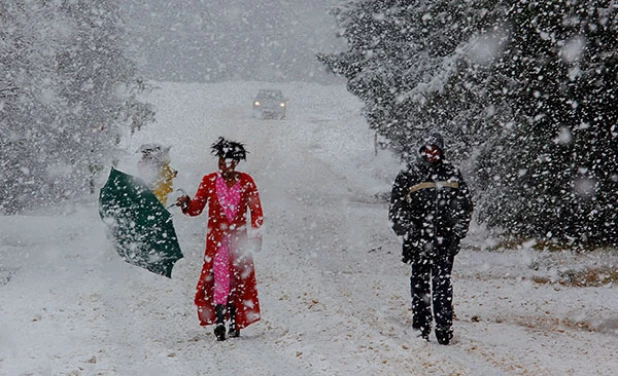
(555, 173)
(524, 90)
(24, 69)
(406, 61)
(66, 92)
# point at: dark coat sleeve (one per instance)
(462, 210)
(398, 213)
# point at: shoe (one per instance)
(233, 333)
(422, 332)
(220, 317)
(220, 332)
(444, 335)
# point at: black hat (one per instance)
(229, 149)
(434, 138)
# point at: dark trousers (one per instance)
(431, 283)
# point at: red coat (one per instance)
(244, 294)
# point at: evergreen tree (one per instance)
(67, 92)
(25, 72)
(555, 174)
(405, 61)
(524, 90)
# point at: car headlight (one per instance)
(256, 103)
(282, 104)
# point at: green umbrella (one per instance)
(140, 226)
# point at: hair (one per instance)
(223, 148)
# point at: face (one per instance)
(227, 165)
(432, 154)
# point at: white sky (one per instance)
(205, 40)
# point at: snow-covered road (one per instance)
(334, 295)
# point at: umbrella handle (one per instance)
(174, 204)
(182, 191)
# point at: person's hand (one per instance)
(452, 246)
(183, 201)
(257, 244)
(400, 228)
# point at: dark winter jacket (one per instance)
(430, 207)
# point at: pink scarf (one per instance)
(228, 198)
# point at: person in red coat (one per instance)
(227, 285)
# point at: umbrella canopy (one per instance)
(139, 225)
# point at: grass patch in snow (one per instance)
(592, 276)
(549, 245)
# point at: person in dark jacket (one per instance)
(431, 208)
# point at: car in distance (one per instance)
(269, 104)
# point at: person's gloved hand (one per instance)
(452, 246)
(183, 201)
(407, 253)
(400, 228)
(257, 244)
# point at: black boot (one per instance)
(422, 331)
(233, 332)
(444, 335)
(220, 323)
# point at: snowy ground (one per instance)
(335, 296)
